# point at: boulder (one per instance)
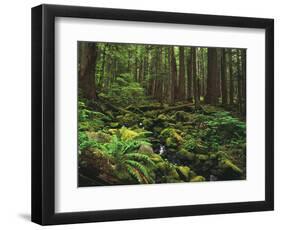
(100, 137)
(181, 116)
(229, 170)
(198, 179)
(183, 171)
(145, 149)
(186, 155)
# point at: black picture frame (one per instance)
(43, 114)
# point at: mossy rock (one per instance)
(162, 117)
(171, 135)
(192, 174)
(147, 123)
(145, 149)
(173, 180)
(202, 157)
(181, 116)
(213, 156)
(231, 168)
(114, 124)
(151, 114)
(173, 173)
(127, 120)
(100, 137)
(186, 155)
(162, 166)
(198, 179)
(170, 142)
(183, 171)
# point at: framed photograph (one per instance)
(142, 114)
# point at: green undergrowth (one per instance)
(123, 145)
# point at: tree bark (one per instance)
(212, 89)
(239, 85)
(173, 73)
(195, 83)
(189, 77)
(231, 86)
(244, 82)
(223, 78)
(87, 70)
(181, 74)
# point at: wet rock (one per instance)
(145, 149)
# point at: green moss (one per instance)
(181, 116)
(171, 135)
(114, 124)
(229, 165)
(184, 171)
(100, 136)
(213, 156)
(162, 117)
(170, 142)
(186, 154)
(198, 179)
(202, 157)
(147, 122)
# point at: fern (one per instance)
(140, 170)
(140, 157)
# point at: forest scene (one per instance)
(150, 114)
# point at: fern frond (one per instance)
(140, 157)
(134, 173)
(139, 167)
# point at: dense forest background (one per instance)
(160, 114)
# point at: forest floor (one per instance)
(158, 143)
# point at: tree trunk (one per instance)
(189, 77)
(181, 74)
(195, 83)
(212, 89)
(87, 71)
(239, 85)
(174, 74)
(244, 82)
(223, 78)
(231, 86)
